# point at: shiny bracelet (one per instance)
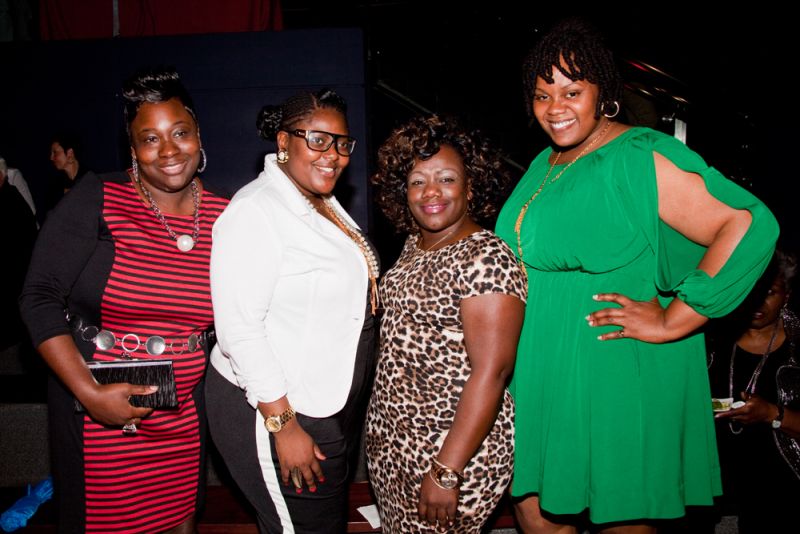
(445, 477)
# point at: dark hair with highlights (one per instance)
(274, 118)
(154, 86)
(421, 139)
(584, 55)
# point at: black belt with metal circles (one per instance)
(105, 339)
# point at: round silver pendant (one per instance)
(104, 340)
(185, 243)
(155, 345)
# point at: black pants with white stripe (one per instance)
(249, 452)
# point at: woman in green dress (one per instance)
(630, 242)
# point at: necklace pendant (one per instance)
(185, 243)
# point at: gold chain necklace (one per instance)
(524, 210)
(369, 255)
(430, 248)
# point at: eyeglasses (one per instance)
(322, 141)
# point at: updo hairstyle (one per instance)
(154, 86)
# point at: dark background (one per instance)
(731, 67)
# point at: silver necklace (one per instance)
(184, 242)
(751, 384)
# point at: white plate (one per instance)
(721, 405)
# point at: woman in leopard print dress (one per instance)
(440, 422)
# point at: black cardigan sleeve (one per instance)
(66, 243)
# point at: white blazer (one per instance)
(289, 291)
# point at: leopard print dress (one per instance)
(422, 368)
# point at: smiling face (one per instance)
(565, 109)
(314, 173)
(438, 194)
(166, 144)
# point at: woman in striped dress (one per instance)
(126, 257)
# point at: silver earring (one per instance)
(135, 169)
(202, 167)
(605, 113)
(283, 156)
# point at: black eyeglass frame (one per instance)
(304, 134)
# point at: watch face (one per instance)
(448, 480)
(273, 423)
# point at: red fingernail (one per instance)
(313, 489)
(299, 490)
(321, 479)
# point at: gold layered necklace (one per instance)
(524, 210)
(358, 238)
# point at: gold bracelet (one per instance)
(445, 477)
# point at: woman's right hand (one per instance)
(110, 405)
(296, 449)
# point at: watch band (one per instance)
(445, 477)
(274, 423)
(778, 421)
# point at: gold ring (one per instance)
(297, 478)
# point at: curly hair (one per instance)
(272, 119)
(154, 85)
(420, 139)
(577, 50)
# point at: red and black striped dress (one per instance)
(147, 482)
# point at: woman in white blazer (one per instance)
(293, 286)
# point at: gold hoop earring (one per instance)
(605, 113)
(283, 156)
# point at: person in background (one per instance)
(753, 359)
(120, 270)
(294, 285)
(630, 242)
(65, 149)
(440, 423)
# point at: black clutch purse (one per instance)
(140, 372)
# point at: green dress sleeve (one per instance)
(678, 257)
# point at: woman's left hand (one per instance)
(755, 410)
(437, 506)
(642, 320)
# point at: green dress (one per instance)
(623, 428)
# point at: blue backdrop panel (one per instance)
(75, 85)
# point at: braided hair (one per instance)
(274, 118)
(577, 50)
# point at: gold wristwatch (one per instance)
(274, 423)
(445, 477)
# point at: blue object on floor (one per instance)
(17, 516)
